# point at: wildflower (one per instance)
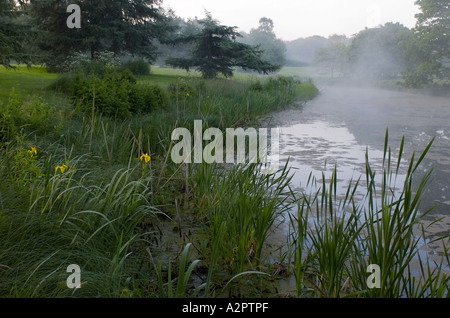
(187, 95)
(32, 151)
(61, 168)
(146, 158)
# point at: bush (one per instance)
(116, 94)
(109, 94)
(307, 91)
(138, 67)
(280, 82)
(64, 83)
(19, 112)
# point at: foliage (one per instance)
(429, 49)
(84, 63)
(116, 93)
(16, 33)
(433, 26)
(240, 225)
(138, 67)
(334, 239)
(23, 166)
(264, 37)
(17, 113)
(334, 57)
(216, 52)
(377, 53)
(116, 26)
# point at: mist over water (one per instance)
(337, 127)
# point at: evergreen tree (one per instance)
(118, 26)
(15, 33)
(216, 51)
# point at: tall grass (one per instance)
(64, 220)
(335, 239)
(240, 224)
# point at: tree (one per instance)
(119, 26)
(433, 26)
(264, 37)
(216, 51)
(377, 53)
(429, 49)
(334, 57)
(15, 33)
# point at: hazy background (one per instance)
(294, 19)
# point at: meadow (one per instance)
(81, 187)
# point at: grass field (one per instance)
(28, 81)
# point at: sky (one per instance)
(301, 18)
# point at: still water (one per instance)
(339, 126)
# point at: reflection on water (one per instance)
(337, 128)
(318, 147)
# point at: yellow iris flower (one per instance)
(32, 151)
(61, 168)
(145, 158)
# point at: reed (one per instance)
(335, 239)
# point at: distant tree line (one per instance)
(420, 56)
(35, 31)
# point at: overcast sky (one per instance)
(301, 18)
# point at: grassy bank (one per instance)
(103, 193)
(78, 190)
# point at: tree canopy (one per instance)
(265, 38)
(15, 33)
(376, 53)
(119, 26)
(334, 57)
(216, 51)
(429, 49)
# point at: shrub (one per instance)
(279, 82)
(108, 94)
(23, 167)
(116, 94)
(162, 100)
(64, 83)
(307, 90)
(137, 67)
(19, 112)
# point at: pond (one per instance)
(343, 122)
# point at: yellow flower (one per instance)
(32, 151)
(146, 158)
(61, 168)
(187, 95)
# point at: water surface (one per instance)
(343, 122)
